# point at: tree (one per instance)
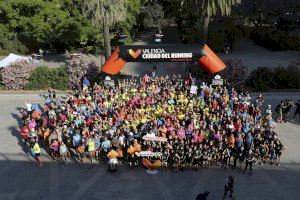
(154, 15)
(133, 20)
(48, 24)
(107, 12)
(205, 9)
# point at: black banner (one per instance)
(161, 53)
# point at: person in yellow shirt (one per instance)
(144, 119)
(91, 149)
(185, 100)
(181, 116)
(36, 152)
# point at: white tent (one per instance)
(12, 58)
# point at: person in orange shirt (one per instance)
(231, 140)
(113, 160)
(132, 158)
(120, 153)
(137, 146)
(163, 131)
(112, 154)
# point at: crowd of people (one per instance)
(213, 125)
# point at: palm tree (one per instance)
(107, 13)
(208, 8)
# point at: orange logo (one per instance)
(136, 53)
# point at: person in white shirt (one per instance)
(29, 106)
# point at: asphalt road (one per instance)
(22, 179)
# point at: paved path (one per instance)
(256, 56)
(22, 179)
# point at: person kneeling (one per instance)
(113, 160)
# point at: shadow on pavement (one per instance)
(25, 180)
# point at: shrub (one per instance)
(236, 72)
(261, 79)
(285, 78)
(264, 78)
(17, 74)
(44, 78)
(79, 68)
(274, 39)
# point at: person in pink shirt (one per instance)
(146, 78)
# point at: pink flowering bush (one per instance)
(237, 72)
(79, 68)
(17, 74)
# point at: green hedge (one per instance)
(274, 39)
(44, 77)
(264, 78)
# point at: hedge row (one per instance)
(44, 78)
(274, 39)
(264, 78)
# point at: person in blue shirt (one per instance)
(35, 106)
(105, 144)
(201, 95)
(76, 139)
(248, 140)
(86, 82)
(58, 103)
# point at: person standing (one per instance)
(286, 110)
(85, 83)
(278, 110)
(297, 111)
(279, 148)
(229, 187)
(36, 152)
(91, 149)
(63, 151)
(259, 100)
(249, 161)
(154, 70)
(29, 107)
